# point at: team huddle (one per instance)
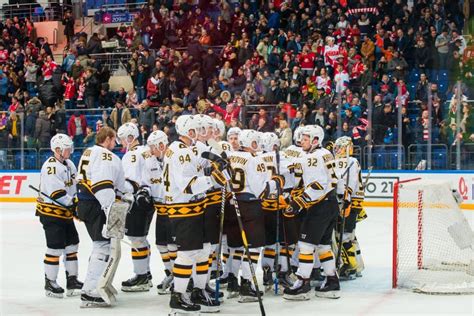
(221, 206)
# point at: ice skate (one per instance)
(73, 285)
(212, 293)
(181, 304)
(267, 279)
(52, 289)
(207, 303)
(164, 287)
(247, 294)
(316, 278)
(233, 288)
(330, 288)
(284, 281)
(139, 283)
(300, 291)
(88, 301)
(150, 278)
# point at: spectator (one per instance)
(14, 130)
(43, 130)
(120, 115)
(68, 22)
(89, 140)
(382, 121)
(76, 128)
(30, 125)
(284, 133)
(146, 116)
(3, 140)
(91, 89)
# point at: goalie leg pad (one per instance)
(116, 219)
(104, 284)
(97, 262)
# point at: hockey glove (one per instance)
(346, 208)
(128, 198)
(143, 197)
(218, 176)
(297, 204)
(279, 180)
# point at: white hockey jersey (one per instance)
(133, 164)
(354, 173)
(100, 175)
(319, 177)
(249, 175)
(183, 179)
(290, 167)
(58, 180)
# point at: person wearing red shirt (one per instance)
(232, 111)
(307, 59)
(48, 68)
(69, 91)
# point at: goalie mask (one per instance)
(63, 142)
(343, 147)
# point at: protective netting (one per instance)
(435, 242)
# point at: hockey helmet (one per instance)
(314, 132)
(126, 130)
(186, 123)
(249, 138)
(269, 141)
(343, 147)
(233, 131)
(156, 138)
(219, 127)
(297, 135)
(61, 141)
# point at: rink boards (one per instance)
(379, 189)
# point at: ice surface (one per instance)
(22, 250)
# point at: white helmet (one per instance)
(186, 123)
(156, 138)
(126, 130)
(260, 140)
(204, 122)
(297, 135)
(233, 131)
(313, 131)
(219, 127)
(269, 141)
(61, 141)
(247, 137)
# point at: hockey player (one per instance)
(270, 143)
(250, 183)
(233, 137)
(101, 181)
(319, 198)
(152, 177)
(56, 211)
(185, 190)
(139, 218)
(351, 198)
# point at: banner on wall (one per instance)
(379, 189)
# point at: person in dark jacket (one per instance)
(422, 56)
(210, 62)
(196, 87)
(94, 46)
(146, 117)
(48, 94)
(68, 22)
(43, 130)
(30, 125)
(91, 91)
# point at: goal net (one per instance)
(433, 243)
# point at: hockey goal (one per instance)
(432, 240)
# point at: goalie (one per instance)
(100, 177)
(351, 199)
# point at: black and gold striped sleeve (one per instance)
(58, 194)
(102, 185)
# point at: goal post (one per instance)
(433, 243)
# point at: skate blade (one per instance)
(53, 295)
(299, 297)
(247, 299)
(209, 309)
(73, 292)
(139, 288)
(94, 305)
(177, 312)
(329, 294)
(231, 295)
(164, 292)
(347, 278)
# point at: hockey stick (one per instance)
(214, 157)
(46, 195)
(276, 266)
(343, 222)
(219, 246)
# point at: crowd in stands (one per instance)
(309, 59)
